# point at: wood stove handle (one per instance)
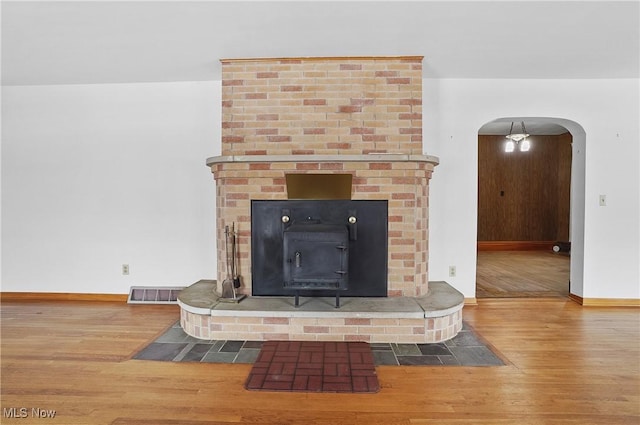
(298, 259)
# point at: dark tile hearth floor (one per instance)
(465, 349)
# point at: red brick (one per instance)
(271, 74)
(373, 383)
(300, 382)
(332, 166)
(291, 88)
(411, 102)
(338, 387)
(275, 368)
(403, 180)
(380, 166)
(314, 102)
(374, 138)
(350, 108)
(277, 385)
(237, 180)
(255, 381)
(314, 383)
(242, 195)
(260, 166)
(232, 82)
(302, 152)
(232, 139)
(335, 145)
(360, 384)
(362, 130)
(233, 124)
(314, 131)
(386, 73)
(357, 321)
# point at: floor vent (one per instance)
(154, 295)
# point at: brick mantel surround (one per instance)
(359, 116)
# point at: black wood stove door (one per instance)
(367, 243)
(316, 257)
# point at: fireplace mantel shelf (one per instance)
(374, 157)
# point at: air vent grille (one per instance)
(154, 295)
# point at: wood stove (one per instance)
(322, 248)
(316, 257)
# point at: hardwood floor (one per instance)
(566, 364)
(522, 274)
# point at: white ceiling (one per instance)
(91, 42)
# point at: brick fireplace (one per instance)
(354, 119)
(358, 116)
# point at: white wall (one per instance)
(101, 175)
(96, 176)
(608, 112)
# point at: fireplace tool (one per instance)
(229, 284)
(234, 258)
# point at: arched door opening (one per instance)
(524, 235)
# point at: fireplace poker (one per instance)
(234, 261)
(228, 290)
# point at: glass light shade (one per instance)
(509, 146)
(525, 145)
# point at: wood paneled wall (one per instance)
(524, 196)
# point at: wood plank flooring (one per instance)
(566, 364)
(522, 274)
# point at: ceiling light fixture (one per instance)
(516, 138)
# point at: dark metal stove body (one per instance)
(316, 257)
(314, 229)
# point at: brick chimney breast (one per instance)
(357, 115)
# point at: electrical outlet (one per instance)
(452, 271)
(125, 269)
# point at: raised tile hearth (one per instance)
(433, 318)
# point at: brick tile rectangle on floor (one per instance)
(314, 366)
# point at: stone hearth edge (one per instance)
(433, 318)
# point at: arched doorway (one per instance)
(530, 208)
